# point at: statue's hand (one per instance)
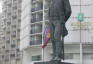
(62, 18)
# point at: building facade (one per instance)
(78, 42)
(0, 35)
(11, 20)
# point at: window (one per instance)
(7, 51)
(12, 46)
(68, 56)
(12, 55)
(17, 50)
(13, 42)
(36, 58)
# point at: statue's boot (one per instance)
(54, 50)
(58, 51)
(58, 57)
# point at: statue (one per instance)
(59, 13)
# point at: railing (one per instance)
(12, 52)
(32, 9)
(33, 31)
(13, 33)
(18, 27)
(8, 20)
(37, 8)
(13, 43)
(18, 37)
(9, 2)
(7, 38)
(46, 18)
(19, 18)
(19, 8)
(18, 56)
(6, 57)
(8, 29)
(7, 48)
(36, 19)
(34, 0)
(13, 23)
(8, 11)
(14, 5)
(14, 14)
(36, 42)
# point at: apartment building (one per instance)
(0, 34)
(0, 28)
(78, 42)
(11, 20)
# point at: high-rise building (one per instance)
(78, 42)
(0, 37)
(0, 28)
(11, 20)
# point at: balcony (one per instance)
(4, 0)
(13, 33)
(4, 9)
(46, 18)
(18, 56)
(8, 29)
(14, 14)
(7, 38)
(8, 11)
(32, 9)
(36, 19)
(8, 20)
(18, 37)
(12, 52)
(9, 2)
(19, 17)
(7, 48)
(18, 27)
(46, 6)
(3, 17)
(15, 1)
(14, 23)
(13, 43)
(37, 8)
(14, 5)
(33, 31)
(19, 8)
(34, 0)
(2, 35)
(3, 27)
(6, 57)
(36, 42)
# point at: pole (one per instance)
(43, 32)
(43, 54)
(80, 39)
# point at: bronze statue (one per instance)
(59, 13)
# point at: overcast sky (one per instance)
(0, 6)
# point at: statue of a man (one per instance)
(59, 13)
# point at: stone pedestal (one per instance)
(52, 62)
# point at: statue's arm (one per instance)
(67, 8)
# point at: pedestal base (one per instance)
(52, 62)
